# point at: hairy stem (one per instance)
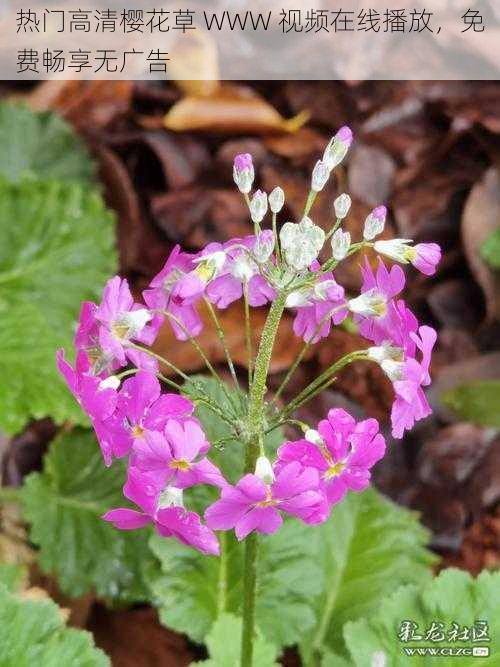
(255, 410)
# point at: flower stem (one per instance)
(249, 587)
(248, 333)
(254, 444)
(222, 339)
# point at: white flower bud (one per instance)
(111, 382)
(301, 243)
(243, 172)
(375, 223)
(258, 206)
(341, 206)
(264, 246)
(396, 249)
(369, 304)
(320, 176)
(264, 470)
(276, 200)
(311, 435)
(170, 497)
(341, 242)
(337, 149)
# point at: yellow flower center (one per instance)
(179, 464)
(137, 431)
(334, 470)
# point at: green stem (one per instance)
(276, 239)
(249, 588)
(222, 339)
(309, 203)
(255, 410)
(223, 570)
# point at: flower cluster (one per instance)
(116, 375)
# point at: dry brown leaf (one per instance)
(481, 216)
(233, 109)
(183, 354)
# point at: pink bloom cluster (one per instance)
(166, 448)
(399, 340)
(310, 477)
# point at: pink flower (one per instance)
(371, 307)
(426, 257)
(122, 320)
(162, 507)
(241, 268)
(408, 377)
(160, 296)
(176, 455)
(323, 305)
(343, 453)
(254, 505)
(96, 397)
(141, 408)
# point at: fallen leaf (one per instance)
(232, 109)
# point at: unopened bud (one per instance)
(264, 470)
(320, 176)
(301, 243)
(276, 200)
(396, 249)
(341, 242)
(264, 246)
(243, 172)
(341, 206)
(311, 435)
(374, 223)
(337, 149)
(258, 206)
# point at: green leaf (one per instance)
(41, 146)
(64, 505)
(477, 402)
(56, 249)
(367, 548)
(453, 597)
(12, 576)
(223, 643)
(195, 589)
(33, 633)
(490, 250)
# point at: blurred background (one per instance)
(430, 152)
